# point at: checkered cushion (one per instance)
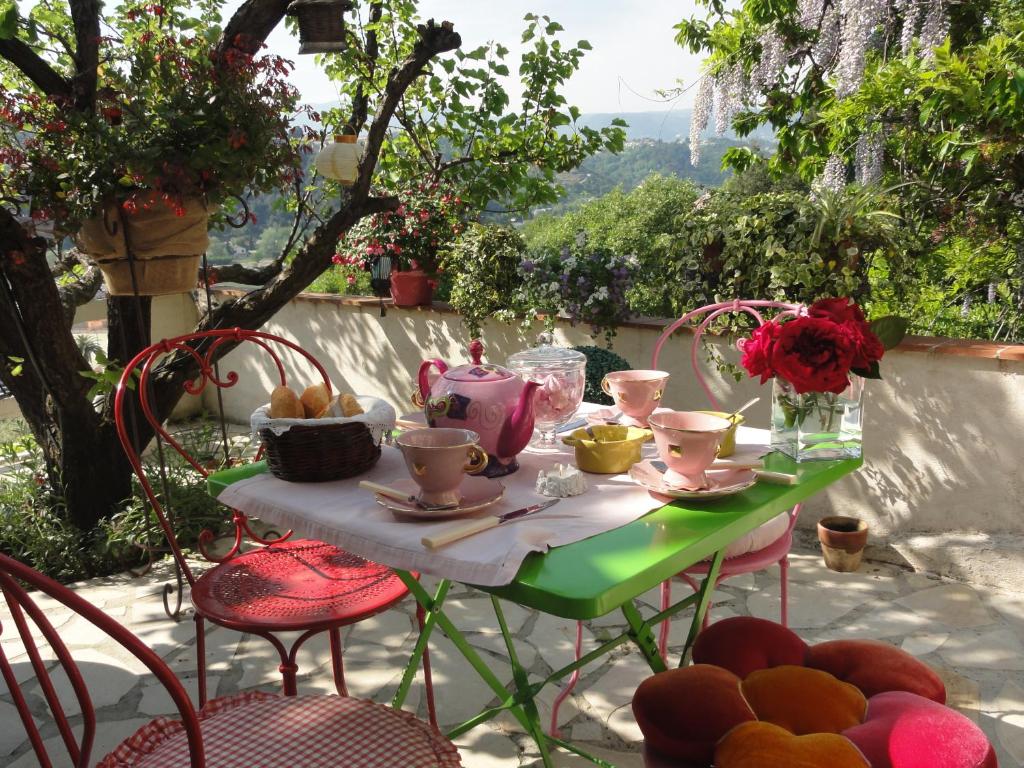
(270, 731)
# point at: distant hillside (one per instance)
(668, 125)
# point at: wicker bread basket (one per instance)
(319, 450)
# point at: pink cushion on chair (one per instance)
(903, 730)
(744, 644)
(269, 731)
(876, 667)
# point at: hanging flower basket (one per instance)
(321, 24)
(166, 246)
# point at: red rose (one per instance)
(867, 347)
(757, 351)
(813, 354)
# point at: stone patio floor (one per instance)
(971, 637)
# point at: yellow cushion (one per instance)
(803, 700)
(763, 745)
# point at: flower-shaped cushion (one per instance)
(843, 704)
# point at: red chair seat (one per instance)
(295, 585)
(264, 730)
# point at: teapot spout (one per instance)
(518, 428)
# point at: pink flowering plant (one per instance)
(586, 285)
(425, 224)
(168, 123)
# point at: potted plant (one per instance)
(587, 285)
(411, 238)
(177, 128)
(818, 358)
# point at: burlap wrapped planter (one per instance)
(166, 248)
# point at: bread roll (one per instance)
(316, 401)
(285, 404)
(349, 405)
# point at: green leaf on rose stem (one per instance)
(874, 372)
(890, 330)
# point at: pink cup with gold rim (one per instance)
(688, 443)
(438, 459)
(636, 393)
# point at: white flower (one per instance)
(699, 116)
(581, 238)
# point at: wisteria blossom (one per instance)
(870, 157)
(700, 115)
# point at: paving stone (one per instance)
(105, 676)
(479, 614)
(588, 730)
(680, 590)
(555, 638)
(563, 759)
(882, 619)
(617, 684)
(526, 652)
(954, 605)
(458, 690)
(623, 724)
(221, 645)
(108, 735)
(486, 748)
(924, 643)
(392, 628)
(962, 694)
(157, 701)
(809, 605)
(568, 710)
(1000, 650)
(870, 578)
(12, 734)
(1009, 606)
(1008, 710)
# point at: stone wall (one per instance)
(940, 485)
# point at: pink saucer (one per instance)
(721, 482)
(476, 492)
(615, 416)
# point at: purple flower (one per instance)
(527, 266)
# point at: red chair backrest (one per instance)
(752, 307)
(204, 348)
(24, 613)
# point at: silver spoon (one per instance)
(742, 408)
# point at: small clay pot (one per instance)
(842, 542)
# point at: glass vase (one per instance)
(817, 426)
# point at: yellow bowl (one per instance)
(607, 449)
(728, 445)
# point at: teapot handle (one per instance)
(419, 397)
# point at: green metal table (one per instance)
(604, 573)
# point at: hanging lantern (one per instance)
(321, 24)
(340, 160)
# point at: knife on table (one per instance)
(468, 528)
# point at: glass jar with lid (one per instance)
(561, 374)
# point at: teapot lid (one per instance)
(548, 356)
(477, 370)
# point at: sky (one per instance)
(634, 52)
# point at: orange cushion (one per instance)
(876, 667)
(763, 745)
(804, 700)
(743, 644)
(684, 712)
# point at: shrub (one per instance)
(483, 269)
(600, 362)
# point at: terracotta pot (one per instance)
(842, 542)
(411, 288)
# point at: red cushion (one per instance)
(684, 712)
(876, 667)
(744, 644)
(763, 745)
(903, 730)
(803, 700)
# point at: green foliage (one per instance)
(626, 222)
(600, 362)
(169, 120)
(34, 527)
(484, 269)
(457, 121)
(343, 279)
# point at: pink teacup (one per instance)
(438, 458)
(636, 393)
(688, 442)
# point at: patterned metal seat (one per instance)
(247, 730)
(283, 585)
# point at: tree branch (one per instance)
(79, 292)
(361, 102)
(86, 17)
(254, 21)
(240, 273)
(34, 68)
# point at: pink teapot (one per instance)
(490, 400)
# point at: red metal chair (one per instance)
(241, 731)
(285, 584)
(777, 552)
